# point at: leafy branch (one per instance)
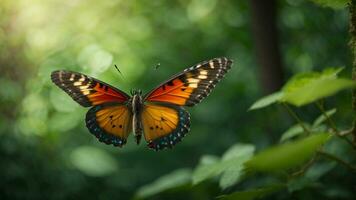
(332, 125)
(305, 167)
(296, 117)
(337, 159)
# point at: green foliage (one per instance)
(323, 117)
(232, 174)
(230, 166)
(316, 89)
(208, 167)
(287, 156)
(253, 193)
(306, 88)
(304, 79)
(336, 4)
(44, 142)
(311, 176)
(267, 100)
(175, 179)
(293, 131)
(298, 129)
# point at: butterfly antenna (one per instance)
(119, 70)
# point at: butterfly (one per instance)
(159, 115)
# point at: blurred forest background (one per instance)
(46, 152)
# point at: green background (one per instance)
(46, 152)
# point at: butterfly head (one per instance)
(134, 92)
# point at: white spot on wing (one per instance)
(72, 77)
(86, 92)
(82, 79)
(60, 76)
(193, 80)
(202, 77)
(83, 87)
(77, 83)
(204, 72)
(193, 85)
(211, 64)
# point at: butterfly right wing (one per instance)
(85, 90)
(110, 123)
(164, 125)
(191, 86)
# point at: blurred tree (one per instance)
(266, 43)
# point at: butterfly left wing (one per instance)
(164, 126)
(192, 85)
(110, 123)
(86, 90)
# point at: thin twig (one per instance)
(305, 167)
(328, 119)
(295, 116)
(332, 125)
(332, 157)
(344, 133)
(344, 137)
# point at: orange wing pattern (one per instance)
(164, 126)
(192, 85)
(111, 124)
(85, 90)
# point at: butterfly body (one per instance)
(136, 109)
(159, 115)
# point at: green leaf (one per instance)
(322, 117)
(286, 156)
(299, 84)
(302, 79)
(254, 193)
(239, 153)
(93, 161)
(317, 89)
(267, 100)
(293, 131)
(209, 159)
(336, 4)
(331, 72)
(208, 167)
(231, 162)
(175, 179)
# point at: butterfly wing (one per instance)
(110, 123)
(85, 90)
(109, 119)
(164, 126)
(192, 85)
